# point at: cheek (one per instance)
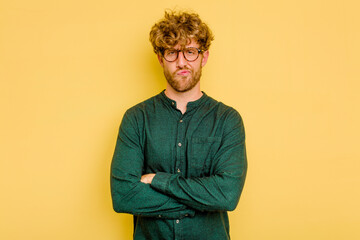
(169, 68)
(197, 67)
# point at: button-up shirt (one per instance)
(200, 163)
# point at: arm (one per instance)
(129, 195)
(218, 192)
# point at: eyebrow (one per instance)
(183, 48)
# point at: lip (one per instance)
(183, 72)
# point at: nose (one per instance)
(181, 60)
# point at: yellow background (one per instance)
(69, 69)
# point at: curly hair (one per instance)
(179, 28)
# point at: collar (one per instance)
(190, 105)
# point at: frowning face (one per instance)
(183, 75)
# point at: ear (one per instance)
(161, 60)
(205, 58)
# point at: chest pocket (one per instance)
(202, 153)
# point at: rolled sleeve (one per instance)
(161, 181)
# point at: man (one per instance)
(180, 162)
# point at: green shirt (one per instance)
(199, 158)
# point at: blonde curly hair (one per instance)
(179, 28)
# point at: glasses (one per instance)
(190, 54)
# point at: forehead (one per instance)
(185, 44)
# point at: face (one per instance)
(181, 74)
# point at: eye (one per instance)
(170, 52)
(191, 51)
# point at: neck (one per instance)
(182, 98)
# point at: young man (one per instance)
(180, 161)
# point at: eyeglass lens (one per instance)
(190, 54)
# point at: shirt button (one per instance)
(172, 103)
(178, 170)
(181, 120)
(177, 221)
(186, 215)
(179, 144)
(159, 216)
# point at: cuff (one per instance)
(161, 181)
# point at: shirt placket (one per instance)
(180, 148)
(180, 165)
(178, 229)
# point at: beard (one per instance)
(183, 83)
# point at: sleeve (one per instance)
(220, 191)
(129, 195)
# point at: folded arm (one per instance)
(129, 194)
(220, 191)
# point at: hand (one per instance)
(147, 178)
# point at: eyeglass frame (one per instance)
(177, 54)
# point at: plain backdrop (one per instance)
(69, 69)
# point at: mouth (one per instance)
(183, 72)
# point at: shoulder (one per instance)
(224, 111)
(134, 117)
(231, 120)
(139, 110)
